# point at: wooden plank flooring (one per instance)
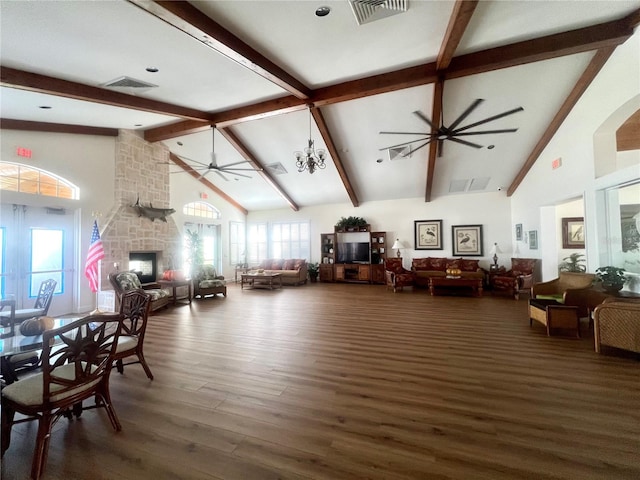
(332, 382)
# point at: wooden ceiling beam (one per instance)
(188, 19)
(597, 62)
(25, 125)
(33, 82)
(436, 113)
(198, 176)
(460, 17)
(255, 163)
(333, 151)
(582, 40)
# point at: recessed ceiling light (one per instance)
(138, 125)
(379, 160)
(491, 147)
(180, 143)
(152, 69)
(45, 107)
(323, 11)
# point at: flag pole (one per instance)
(97, 310)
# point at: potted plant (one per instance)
(573, 263)
(195, 249)
(612, 278)
(313, 268)
(350, 223)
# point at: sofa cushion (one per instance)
(299, 263)
(276, 264)
(289, 264)
(211, 283)
(453, 262)
(128, 281)
(421, 264)
(468, 265)
(439, 263)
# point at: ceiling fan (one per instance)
(229, 168)
(454, 131)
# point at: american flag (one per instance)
(95, 254)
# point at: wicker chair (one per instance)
(396, 276)
(557, 288)
(617, 324)
(208, 282)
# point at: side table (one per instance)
(241, 270)
(174, 285)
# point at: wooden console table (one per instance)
(174, 285)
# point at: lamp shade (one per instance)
(396, 245)
(495, 249)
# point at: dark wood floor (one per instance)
(332, 382)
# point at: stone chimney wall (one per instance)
(142, 171)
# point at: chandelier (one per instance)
(310, 158)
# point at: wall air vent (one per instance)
(276, 168)
(367, 11)
(128, 84)
(399, 152)
(458, 186)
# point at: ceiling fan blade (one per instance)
(423, 117)
(490, 119)
(225, 169)
(240, 175)
(420, 146)
(234, 163)
(486, 132)
(194, 161)
(404, 143)
(405, 133)
(466, 113)
(464, 142)
(223, 177)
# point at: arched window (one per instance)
(201, 209)
(15, 177)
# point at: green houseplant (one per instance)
(195, 249)
(612, 278)
(351, 222)
(573, 263)
(313, 268)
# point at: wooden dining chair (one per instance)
(73, 370)
(134, 307)
(40, 307)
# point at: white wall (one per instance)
(84, 160)
(396, 217)
(616, 86)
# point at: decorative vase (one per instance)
(612, 288)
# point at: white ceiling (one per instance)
(95, 42)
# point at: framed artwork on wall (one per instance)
(428, 234)
(533, 239)
(467, 240)
(573, 232)
(518, 232)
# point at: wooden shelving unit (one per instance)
(378, 256)
(328, 256)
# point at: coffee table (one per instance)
(261, 280)
(455, 285)
(174, 285)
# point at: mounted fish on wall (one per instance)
(151, 212)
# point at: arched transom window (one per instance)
(201, 209)
(15, 177)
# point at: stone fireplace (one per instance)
(141, 171)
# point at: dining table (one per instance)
(17, 343)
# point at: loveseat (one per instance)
(292, 271)
(425, 268)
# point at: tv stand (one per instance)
(352, 272)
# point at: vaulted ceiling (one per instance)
(270, 74)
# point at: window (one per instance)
(236, 243)
(201, 209)
(290, 240)
(15, 177)
(201, 244)
(280, 240)
(2, 265)
(257, 243)
(47, 259)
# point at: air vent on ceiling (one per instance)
(458, 186)
(399, 152)
(367, 11)
(129, 84)
(478, 184)
(276, 168)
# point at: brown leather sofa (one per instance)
(424, 268)
(292, 271)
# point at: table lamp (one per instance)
(397, 246)
(495, 250)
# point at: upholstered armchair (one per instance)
(207, 282)
(617, 324)
(519, 277)
(124, 281)
(396, 276)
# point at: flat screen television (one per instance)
(353, 252)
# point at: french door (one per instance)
(37, 244)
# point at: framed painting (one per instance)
(467, 240)
(428, 234)
(518, 232)
(573, 232)
(533, 239)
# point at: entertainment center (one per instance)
(353, 255)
